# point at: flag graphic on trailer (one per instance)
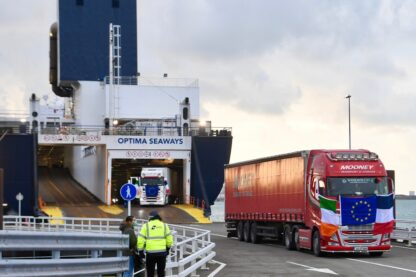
(329, 218)
(384, 216)
(358, 211)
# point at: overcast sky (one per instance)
(277, 72)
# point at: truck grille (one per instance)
(359, 235)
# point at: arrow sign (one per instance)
(322, 270)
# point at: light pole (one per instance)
(349, 118)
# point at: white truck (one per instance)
(153, 186)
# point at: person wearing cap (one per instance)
(156, 239)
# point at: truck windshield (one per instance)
(152, 181)
(357, 186)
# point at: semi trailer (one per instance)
(321, 200)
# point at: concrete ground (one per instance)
(272, 259)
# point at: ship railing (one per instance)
(136, 131)
(192, 249)
(153, 81)
(14, 128)
(405, 231)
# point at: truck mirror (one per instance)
(316, 188)
(390, 183)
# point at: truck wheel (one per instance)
(296, 241)
(316, 244)
(288, 239)
(247, 237)
(376, 254)
(253, 233)
(240, 231)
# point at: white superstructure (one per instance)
(150, 125)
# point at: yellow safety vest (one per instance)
(154, 237)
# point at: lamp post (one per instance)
(349, 119)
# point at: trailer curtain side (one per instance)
(271, 188)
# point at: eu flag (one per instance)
(358, 211)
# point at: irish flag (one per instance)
(384, 215)
(329, 218)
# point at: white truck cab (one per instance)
(153, 186)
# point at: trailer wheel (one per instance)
(288, 239)
(240, 231)
(296, 241)
(316, 244)
(247, 237)
(253, 233)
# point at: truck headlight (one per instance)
(333, 240)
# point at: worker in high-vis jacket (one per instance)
(156, 239)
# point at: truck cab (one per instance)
(353, 174)
(153, 186)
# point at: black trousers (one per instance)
(153, 259)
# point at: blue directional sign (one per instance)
(128, 192)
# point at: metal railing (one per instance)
(191, 251)
(14, 128)
(136, 131)
(62, 224)
(154, 82)
(405, 231)
(43, 253)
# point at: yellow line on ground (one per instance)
(54, 212)
(113, 209)
(196, 213)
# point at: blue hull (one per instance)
(209, 155)
(18, 160)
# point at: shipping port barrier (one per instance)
(405, 231)
(69, 246)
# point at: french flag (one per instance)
(384, 215)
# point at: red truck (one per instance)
(279, 197)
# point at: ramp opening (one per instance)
(57, 185)
(124, 169)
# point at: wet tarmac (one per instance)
(271, 258)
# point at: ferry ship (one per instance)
(113, 122)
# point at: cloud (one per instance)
(377, 103)
(324, 47)
(242, 28)
(260, 63)
(24, 54)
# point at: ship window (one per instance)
(185, 113)
(80, 2)
(116, 3)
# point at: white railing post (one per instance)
(194, 246)
(181, 267)
(204, 244)
(56, 254)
